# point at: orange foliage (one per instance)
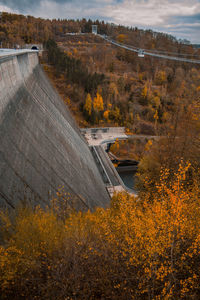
(135, 249)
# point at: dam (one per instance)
(41, 146)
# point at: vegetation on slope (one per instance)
(147, 249)
(180, 142)
(141, 94)
(75, 72)
(20, 29)
(145, 102)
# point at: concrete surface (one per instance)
(108, 172)
(41, 147)
(106, 135)
(98, 139)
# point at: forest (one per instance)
(144, 247)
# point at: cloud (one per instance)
(190, 19)
(155, 14)
(25, 4)
(5, 8)
(30, 4)
(151, 12)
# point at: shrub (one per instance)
(136, 249)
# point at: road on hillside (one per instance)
(148, 52)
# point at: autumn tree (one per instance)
(180, 142)
(160, 77)
(121, 38)
(132, 250)
(113, 91)
(88, 105)
(106, 115)
(144, 96)
(98, 103)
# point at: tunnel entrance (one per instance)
(34, 48)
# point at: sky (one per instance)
(180, 18)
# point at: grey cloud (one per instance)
(187, 26)
(186, 19)
(22, 5)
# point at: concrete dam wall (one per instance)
(41, 147)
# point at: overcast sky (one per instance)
(180, 18)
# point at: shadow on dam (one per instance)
(41, 147)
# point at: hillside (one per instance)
(104, 85)
(144, 247)
(139, 93)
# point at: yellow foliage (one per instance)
(121, 38)
(37, 235)
(155, 101)
(113, 89)
(165, 116)
(140, 76)
(106, 115)
(98, 103)
(137, 117)
(88, 105)
(161, 77)
(144, 92)
(115, 146)
(155, 116)
(148, 145)
(135, 249)
(68, 101)
(75, 51)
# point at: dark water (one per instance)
(128, 178)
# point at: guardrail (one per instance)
(104, 174)
(103, 130)
(148, 52)
(13, 52)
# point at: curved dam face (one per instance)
(41, 147)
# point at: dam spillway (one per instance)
(41, 147)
